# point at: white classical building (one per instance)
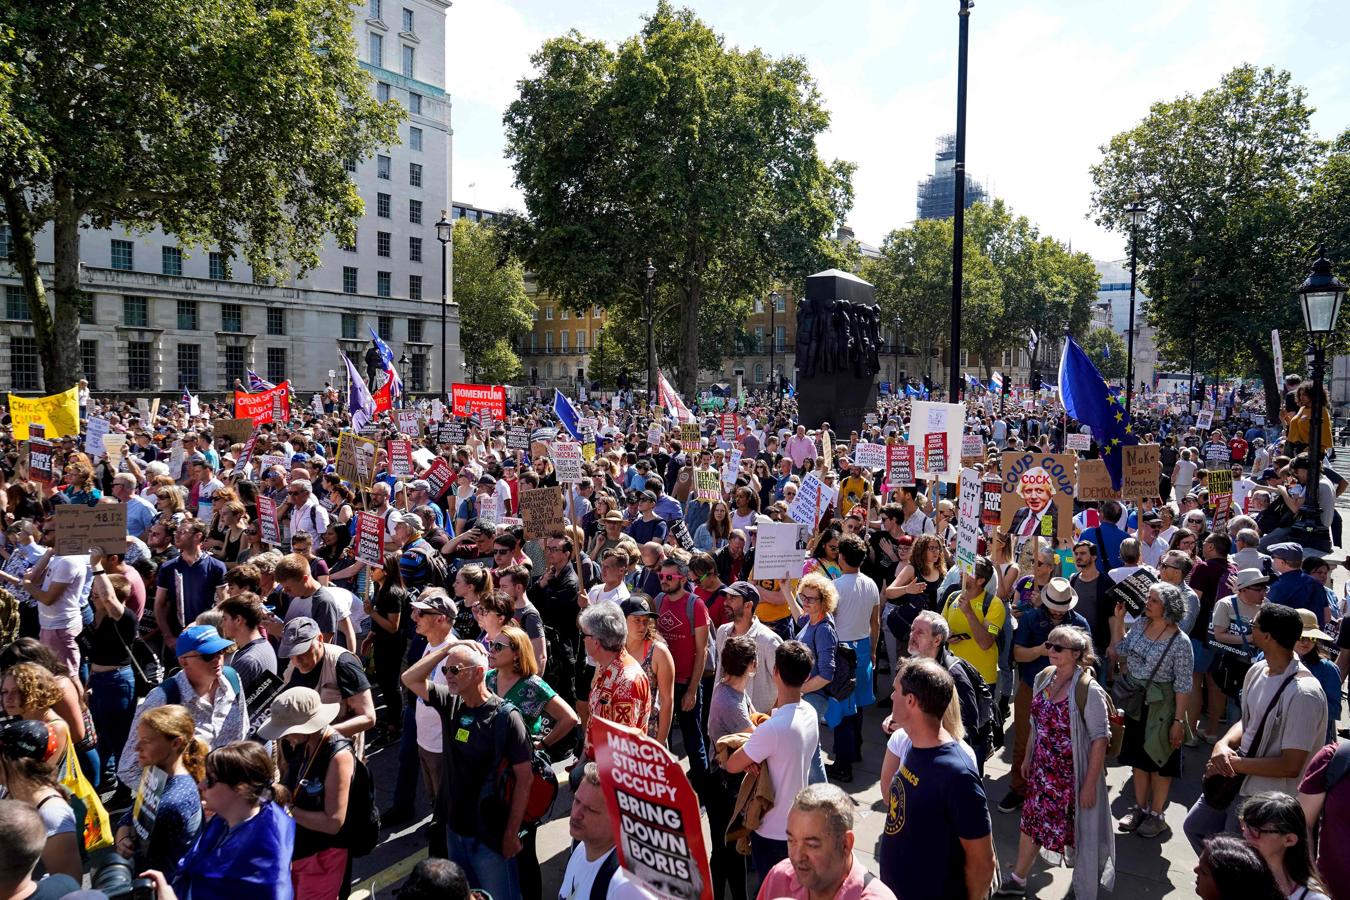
(164, 317)
(1113, 311)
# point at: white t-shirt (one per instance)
(598, 594)
(858, 596)
(428, 719)
(206, 491)
(785, 743)
(918, 523)
(65, 612)
(899, 743)
(580, 875)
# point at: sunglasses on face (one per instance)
(453, 671)
(498, 646)
(206, 657)
(1058, 648)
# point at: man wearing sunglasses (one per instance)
(684, 622)
(433, 615)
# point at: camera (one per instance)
(116, 879)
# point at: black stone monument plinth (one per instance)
(838, 342)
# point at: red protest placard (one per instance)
(400, 458)
(935, 452)
(268, 526)
(728, 423)
(370, 538)
(992, 508)
(467, 399)
(438, 476)
(263, 406)
(654, 811)
(900, 464)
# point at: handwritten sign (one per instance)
(115, 446)
(566, 456)
(408, 422)
(541, 509)
(1076, 440)
(1140, 470)
(935, 453)
(370, 538)
(269, 528)
(1094, 481)
(80, 528)
(870, 456)
(233, 430)
(900, 464)
(968, 530)
(355, 458)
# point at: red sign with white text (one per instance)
(438, 476)
(370, 538)
(467, 399)
(935, 452)
(400, 458)
(262, 406)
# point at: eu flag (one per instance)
(567, 414)
(1086, 398)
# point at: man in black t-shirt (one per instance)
(336, 674)
(483, 834)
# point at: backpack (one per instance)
(984, 697)
(438, 572)
(173, 695)
(361, 830)
(605, 874)
(494, 799)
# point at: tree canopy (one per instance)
(226, 123)
(676, 148)
(1107, 351)
(494, 308)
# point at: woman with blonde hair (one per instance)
(80, 489)
(169, 502)
(815, 604)
(173, 761)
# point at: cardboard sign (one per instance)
(779, 552)
(176, 460)
(1076, 440)
(94, 431)
(408, 422)
(972, 449)
(900, 465)
(400, 458)
(370, 538)
(708, 485)
(680, 530)
(1140, 471)
(870, 456)
(80, 528)
(467, 399)
(991, 512)
(269, 528)
(542, 511)
(655, 812)
(438, 476)
(263, 406)
(935, 453)
(518, 438)
(968, 522)
(812, 499)
(233, 430)
(115, 446)
(453, 433)
(1094, 481)
(566, 456)
(1038, 488)
(355, 461)
(690, 439)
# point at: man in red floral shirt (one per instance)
(620, 692)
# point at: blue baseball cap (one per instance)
(202, 639)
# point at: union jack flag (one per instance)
(257, 383)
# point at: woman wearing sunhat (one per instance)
(1309, 651)
(317, 769)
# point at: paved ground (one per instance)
(1147, 869)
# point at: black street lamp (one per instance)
(1321, 295)
(1196, 284)
(773, 332)
(444, 231)
(959, 220)
(895, 348)
(1136, 211)
(651, 369)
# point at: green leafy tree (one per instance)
(1226, 180)
(1107, 351)
(913, 281)
(676, 148)
(494, 308)
(225, 123)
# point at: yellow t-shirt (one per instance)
(964, 646)
(766, 611)
(851, 491)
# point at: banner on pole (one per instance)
(263, 406)
(59, 414)
(467, 399)
(370, 538)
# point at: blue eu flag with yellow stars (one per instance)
(1086, 398)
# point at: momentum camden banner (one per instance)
(467, 399)
(58, 413)
(655, 813)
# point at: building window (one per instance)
(548, 343)
(548, 314)
(231, 318)
(414, 249)
(377, 50)
(89, 363)
(415, 174)
(384, 326)
(382, 243)
(138, 366)
(377, 9)
(7, 238)
(382, 92)
(136, 312)
(779, 337)
(350, 163)
(415, 330)
(383, 280)
(235, 367)
(190, 366)
(596, 312)
(16, 303)
(759, 305)
(759, 338)
(415, 104)
(414, 288)
(562, 341)
(382, 205)
(23, 363)
(566, 313)
(408, 20)
(350, 323)
(349, 279)
(276, 364)
(171, 260)
(84, 301)
(216, 265)
(187, 315)
(276, 320)
(415, 212)
(417, 378)
(382, 164)
(581, 342)
(409, 60)
(123, 255)
(415, 139)
(780, 305)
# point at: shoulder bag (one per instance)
(1220, 791)
(1129, 694)
(1230, 669)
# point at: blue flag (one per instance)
(567, 414)
(1086, 398)
(387, 357)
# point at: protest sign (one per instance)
(269, 528)
(81, 528)
(452, 432)
(408, 422)
(935, 453)
(268, 460)
(812, 499)
(779, 551)
(39, 460)
(566, 456)
(518, 438)
(972, 449)
(681, 532)
(400, 458)
(927, 418)
(94, 431)
(143, 407)
(263, 406)
(727, 423)
(1221, 494)
(968, 530)
(542, 511)
(870, 456)
(258, 699)
(826, 447)
(316, 405)
(1204, 420)
(370, 538)
(154, 408)
(281, 406)
(355, 458)
(731, 468)
(991, 514)
(115, 445)
(690, 440)
(1140, 471)
(1076, 440)
(467, 399)
(900, 465)
(1094, 481)
(655, 812)
(437, 410)
(489, 509)
(708, 485)
(246, 454)
(1131, 591)
(233, 430)
(1038, 492)
(438, 476)
(176, 459)
(655, 435)
(58, 413)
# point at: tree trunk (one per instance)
(23, 253)
(688, 379)
(64, 371)
(1264, 355)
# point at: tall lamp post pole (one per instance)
(959, 220)
(444, 231)
(1136, 211)
(773, 331)
(1196, 284)
(651, 369)
(895, 348)
(1321, 295)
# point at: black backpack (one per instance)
(984, 697)
(845, 678)
(361, 830)
(438, 571)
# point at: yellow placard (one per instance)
(59, 413)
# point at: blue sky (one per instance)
(1049, 83)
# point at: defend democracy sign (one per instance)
(467, 399)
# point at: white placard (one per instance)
(731, 468)
(1076, 440)
(566, 456)
(316, 404)
(437, 409)
(952, 419)
(811, 501)
(870, 456)
(779, 552)
(489, 509)
(968, 520)
(94, 430)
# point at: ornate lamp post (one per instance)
(1320, 295)
(444, 231)
(1136, 211)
